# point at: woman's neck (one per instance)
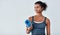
(39, 14)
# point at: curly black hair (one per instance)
(42, 4)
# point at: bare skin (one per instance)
(39, 17)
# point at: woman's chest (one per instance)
(39, 25)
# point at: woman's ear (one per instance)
(42, 8)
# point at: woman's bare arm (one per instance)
(30, 28)
(48, 26)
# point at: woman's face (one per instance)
(38, 8)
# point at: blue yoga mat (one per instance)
(28, 23)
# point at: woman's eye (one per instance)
(37, 6)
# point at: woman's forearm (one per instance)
(28, 29)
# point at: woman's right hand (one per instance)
(29, 29)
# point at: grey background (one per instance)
(14, 12)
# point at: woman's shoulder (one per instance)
(30, 18)
(47, 20)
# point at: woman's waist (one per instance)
(41, 30)
(38, 31)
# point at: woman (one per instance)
(39, 22)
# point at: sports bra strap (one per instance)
(45, 19)
(32, 18)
